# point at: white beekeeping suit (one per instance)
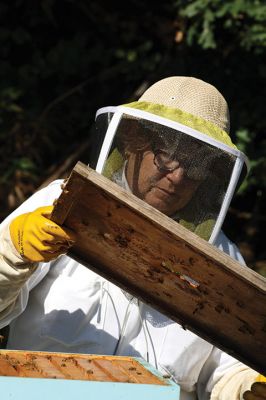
(171, 149)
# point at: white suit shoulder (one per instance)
(223, 243)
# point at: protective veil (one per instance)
(183, 164)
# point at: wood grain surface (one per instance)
(166, 266)
(41, 364)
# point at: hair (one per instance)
(133, 137)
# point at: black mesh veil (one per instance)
(186, 178)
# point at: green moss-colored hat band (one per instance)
(184, 118)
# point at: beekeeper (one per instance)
(172, 149)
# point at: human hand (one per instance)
(257, 390)
(37, 238)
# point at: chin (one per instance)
(160, 206)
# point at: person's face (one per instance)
(167, 191)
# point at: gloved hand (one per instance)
(37, 238)
(257, 390)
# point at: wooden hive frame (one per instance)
(33, 364)
(154, 258)
(64, 376)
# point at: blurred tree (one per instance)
(60, 61)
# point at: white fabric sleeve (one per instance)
(234, 383)
(14, 272)
(17, 277)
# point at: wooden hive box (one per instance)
(157, 260)
(25, 375)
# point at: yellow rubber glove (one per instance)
(257, 390)
(37, 238)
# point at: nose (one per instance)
(176, 176)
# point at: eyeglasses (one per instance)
(167, 163)
(164, 162)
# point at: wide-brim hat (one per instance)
(192, 96)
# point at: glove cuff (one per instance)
(234, 383)
(9, 252)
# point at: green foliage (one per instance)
(61, 61)
(246, 142)
(243, 21)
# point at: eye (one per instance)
(172, 97)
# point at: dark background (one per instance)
(62, 60)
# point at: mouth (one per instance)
(167, 192)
